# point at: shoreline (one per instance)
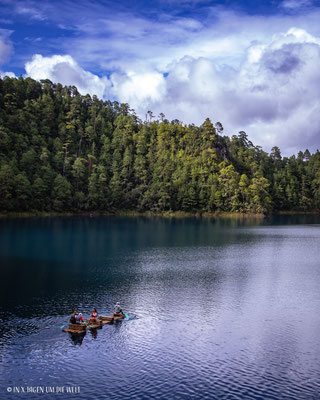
(166, 214)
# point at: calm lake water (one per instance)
(219, 308)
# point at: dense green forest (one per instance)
(60, 151)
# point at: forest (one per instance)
(64, 152)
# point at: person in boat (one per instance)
(118, 309)
(79, 318)
(73, 318)
(94, 314)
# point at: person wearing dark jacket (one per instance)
(73, 318)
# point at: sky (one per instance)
(252, 65)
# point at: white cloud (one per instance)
(5, 46)
(295, 4)
(8, 74)
(65, 70)
(139, 89)
(32, 11)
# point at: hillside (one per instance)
(60, 151)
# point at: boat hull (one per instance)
(117, 316)
(76, 329)
(105, 319)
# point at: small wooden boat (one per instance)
(94, 323)
(76, 328)
(109, 319)
(106, 319)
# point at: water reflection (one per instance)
(77, 338)
(228, 308)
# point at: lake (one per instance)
(220, 308)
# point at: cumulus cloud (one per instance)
(65, 70)
(8, 74)
(273, 95)
(279, 92)
(139, 89)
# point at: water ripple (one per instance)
(217, 311)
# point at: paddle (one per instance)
(127, 316)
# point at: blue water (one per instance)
(219, 308)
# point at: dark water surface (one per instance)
(220, 308)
